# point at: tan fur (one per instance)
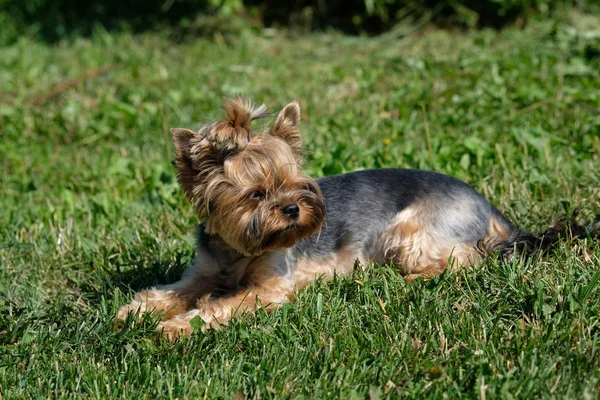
(263, 289)
(179, 303)
(342, 263)
(274, 172)
(220, 169)
(169, 300)
(408, 243)
(217, 313)
(497, 233)
(286, 127)
(166, 301)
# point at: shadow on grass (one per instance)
(134, 277)
(137, 277)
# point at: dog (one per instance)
(269, 229)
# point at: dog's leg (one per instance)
(270, 284)
(341, 263)
(267, 283)
(426, 271)
(169, 300)
(272, 293)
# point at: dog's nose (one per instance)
(291, 210)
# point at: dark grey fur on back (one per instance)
(361, 204)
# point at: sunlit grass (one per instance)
(91, 211)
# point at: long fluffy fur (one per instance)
(252, 251)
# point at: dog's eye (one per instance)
(310, 188)
(258, 195)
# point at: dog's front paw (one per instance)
(143, 302)
(154, 301)
(174, 329)
(184, 324)
(135, 308)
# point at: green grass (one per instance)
(90, 212)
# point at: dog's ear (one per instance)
(199, 163)
(287, 126)
(186, 171)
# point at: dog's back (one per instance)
(418, 220)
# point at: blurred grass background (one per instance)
(504, 97)
(51, 20)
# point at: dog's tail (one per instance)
(524, 243)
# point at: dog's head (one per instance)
(250, 187)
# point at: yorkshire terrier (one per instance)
(269, 229)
